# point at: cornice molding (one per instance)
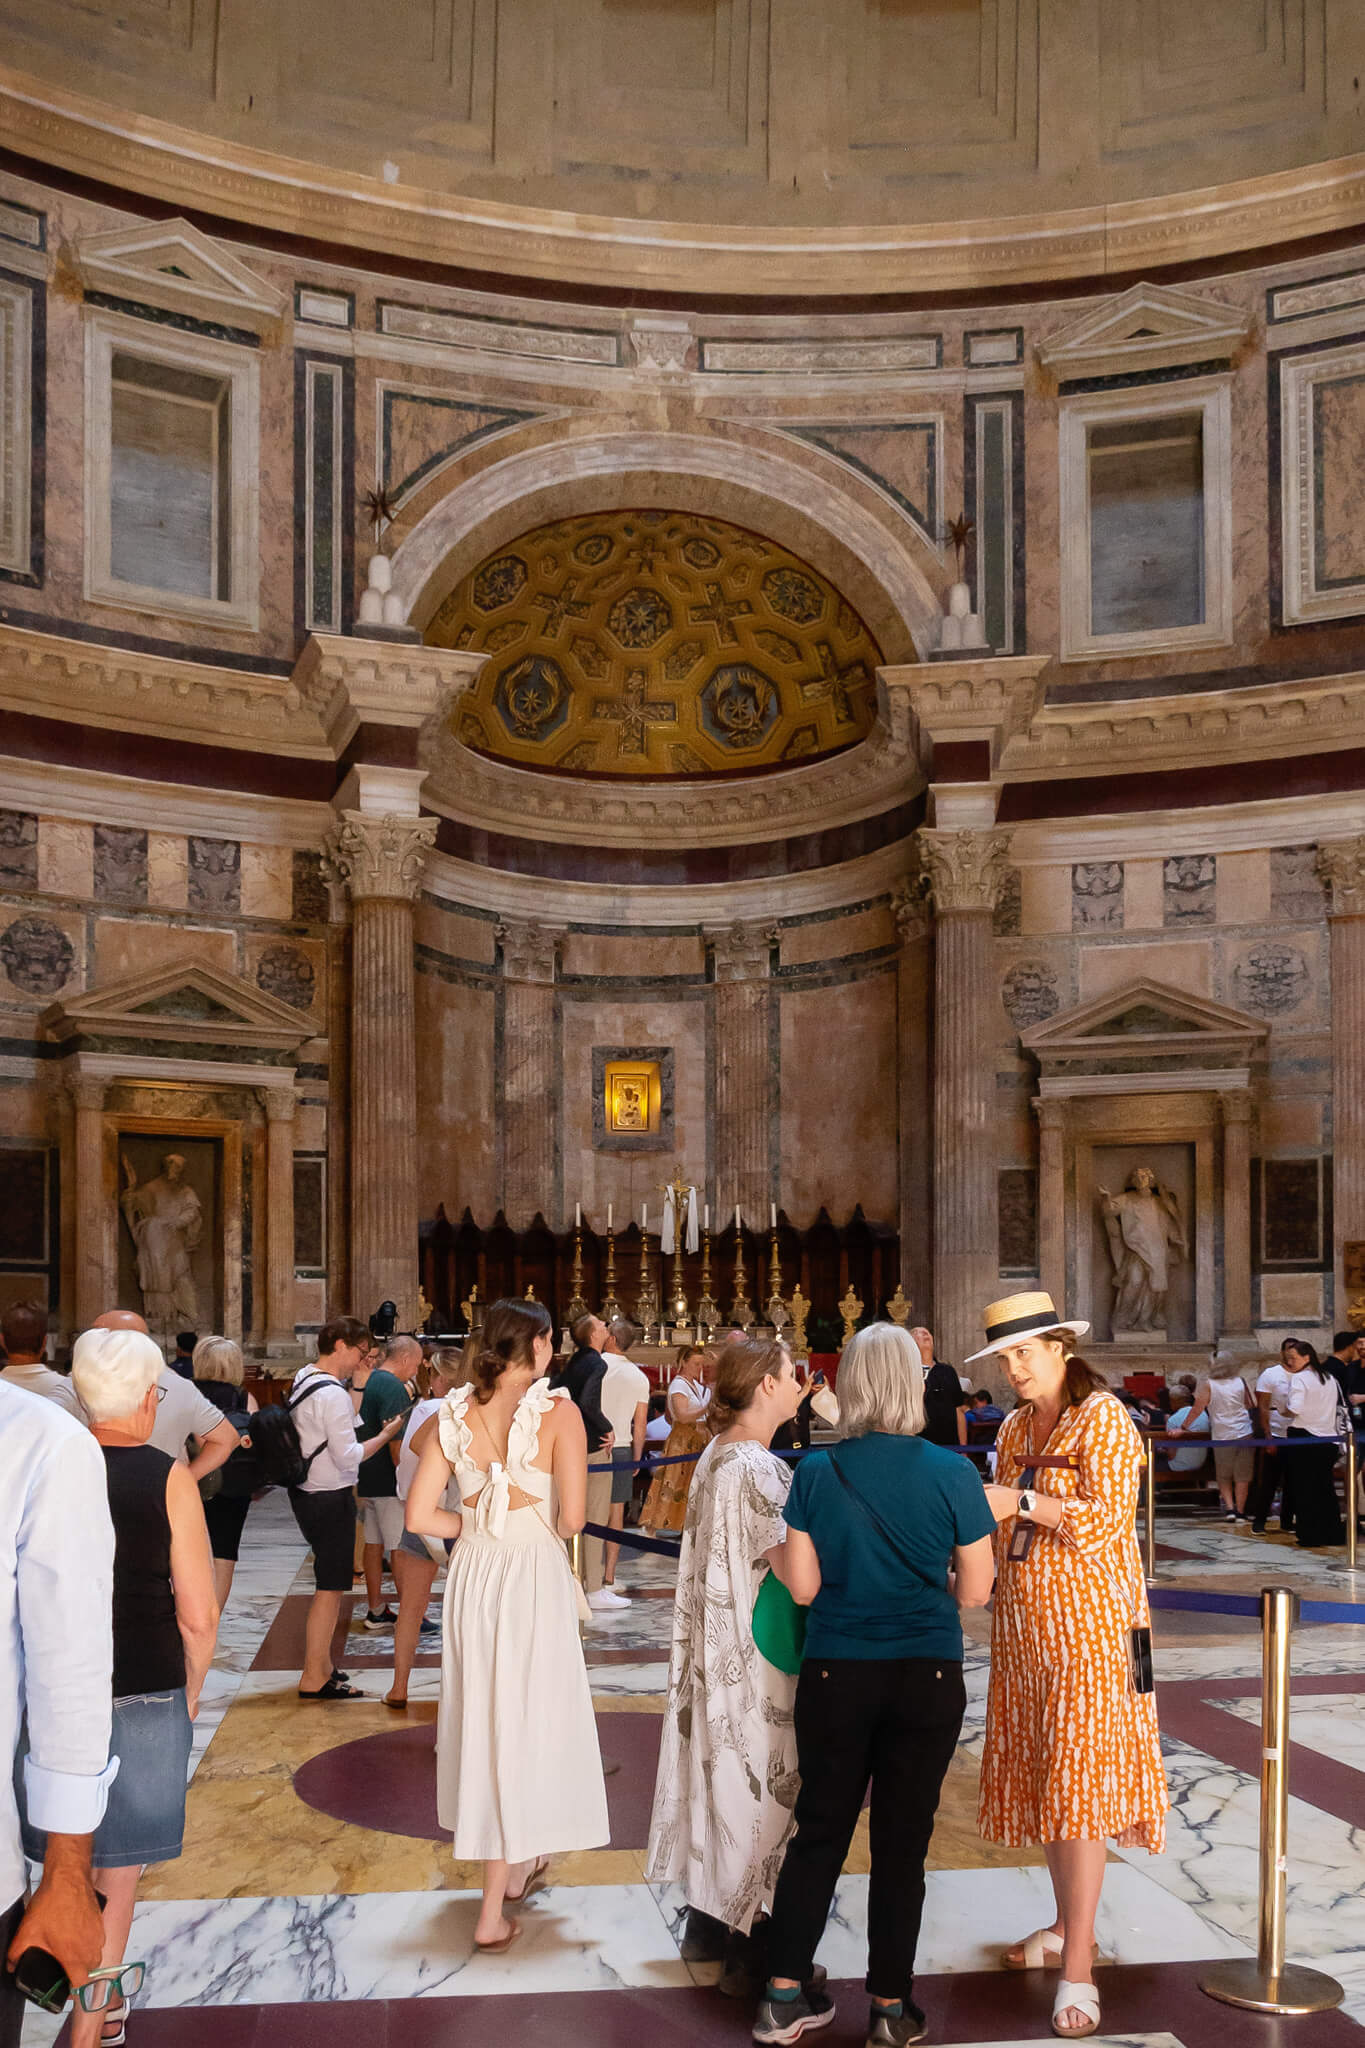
(289, 196)
(991, 697)
(346, 682)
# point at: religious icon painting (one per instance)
(633, 1097)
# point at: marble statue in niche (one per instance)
(166, 1221)
(1146, 1235)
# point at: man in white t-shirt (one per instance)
(624, 1398)
(24, 1327)
(1272, 1413)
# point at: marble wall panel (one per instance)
(66, 858)
(42, 956)
(840, 1067)
(292, 969)
(1143, 895)
(1296, 893)
(835, 938)
(453, 935)
(1278, 976)
(129, 945)
(1292, 1297)
(1007, 917)
(167, 871)
(308, 889)
(628, 1179)
(18, 849)
(1339, 435)
(1097, 896)
(24, 1110)
(267, 882)
(1289, 1124)
(457, 1155)
(1245, 886)
(641, 957)
(1189, 887)
(310, 1123)
(1188, 966)
(1044, 900)
(310, 1303)
(1018, 1198)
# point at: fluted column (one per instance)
(1236, 1107)
(914, 979)
(1341, 864)
(742, 1016)
(278, 1104)
(1052, 1196)
(381, 858)
(95, 1286)
(530, 1073)
(964, 871)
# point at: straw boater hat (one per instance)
(1024, 1315)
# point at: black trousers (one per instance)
(895, 1721)
(1274, 1469)
(1316, 1515)
(11, 2003)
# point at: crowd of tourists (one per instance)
(817, 1643)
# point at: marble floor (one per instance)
(317, 1901)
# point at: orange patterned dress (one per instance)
(1072, 1752)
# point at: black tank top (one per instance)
(149, 1655)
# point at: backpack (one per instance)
(275, 1440)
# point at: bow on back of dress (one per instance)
(489, 1490)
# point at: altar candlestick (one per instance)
(578, 1215)
(736, 1215)
(772, 1214)
(608, 1215)
(644, 1216)
(706, 1215)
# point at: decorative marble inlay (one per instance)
(1271, 979)
(500, 337)
(1297, 893)
(1097, 896)
(1030, 993)
(120, 864)
(37, 955)
(287, 973)
(1189, 886)
(215, 875)
(904, 352)
(18, 850)
(1322, 433)
(16, 403)
(657, 643)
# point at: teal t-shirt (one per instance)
(384, 1397)
(870, 1603)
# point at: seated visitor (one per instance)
(984, 1407)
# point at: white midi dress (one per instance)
(518, 1769)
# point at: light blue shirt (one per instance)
(1189, 1460)
(56, 1625)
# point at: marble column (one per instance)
(964, 870)
(1052, 1120)
(530, 1074)
(278, 1104)
(741, 1021)
(381, 858)
(94, 1286)
(1236, 1108)
(1341, 865)
(338, 1095)
(914, 983)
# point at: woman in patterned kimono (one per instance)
(726, 1785)
(1073, 1753)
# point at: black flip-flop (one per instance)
(335, 1689)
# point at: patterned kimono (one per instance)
(727, 1778)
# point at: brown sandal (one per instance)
(535, 1882)
(499, 1948)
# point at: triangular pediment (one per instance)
(173, 265)
(1150, 326)
(1146, 1021)
(186, 1002)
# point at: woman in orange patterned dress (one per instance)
(689, 1396)
(1073, 1754)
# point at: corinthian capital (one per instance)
(963, 869)
(1341, 865)
(910, 910)
(742, 952)
(380, 856)
(529, 951)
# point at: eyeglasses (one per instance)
(124, 1980)
(161, 1392)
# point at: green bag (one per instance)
(779, 1626)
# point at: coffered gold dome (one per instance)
(645, 643)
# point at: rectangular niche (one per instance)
(1146, 533)
(632, 1098)
(1291, 1214)
(1322, 420)
(1174, 1166)
(146, 1154)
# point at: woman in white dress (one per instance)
(726, 1784)
(518, 1770)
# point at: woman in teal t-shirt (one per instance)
(888, 1536)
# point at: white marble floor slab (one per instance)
(1331, 1723)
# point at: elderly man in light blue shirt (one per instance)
(56, 1666)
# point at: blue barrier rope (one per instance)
(1196, 1442)
(1246, 1603)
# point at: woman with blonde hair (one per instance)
(518, 1769)
(218, 1376)
(727, 1761)
(888, 1535)
(1224, 1398)
(689, 1395)
(1073, 1753)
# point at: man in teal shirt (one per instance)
(383, 1395)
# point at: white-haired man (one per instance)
(56, 1661)
(182, 1411)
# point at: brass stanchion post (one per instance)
(1352, 1478)
(1149, 1514)
(1268, 1984)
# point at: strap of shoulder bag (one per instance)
(887, 1534)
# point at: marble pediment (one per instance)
(173, 266)
(1148, 327)
(1145, 1027)
(186, 1004)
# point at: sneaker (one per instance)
(893, 2029)
(621, 1592)
(381, 1623)
(1230, 1516)
(1258, 1528)
(781, 2020)
(605, 1601)
(428, 1627)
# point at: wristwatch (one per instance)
(1027, 1502)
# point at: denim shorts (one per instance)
(144, 1821)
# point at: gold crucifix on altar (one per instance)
(680, 1227)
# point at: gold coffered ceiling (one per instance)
(657, 643)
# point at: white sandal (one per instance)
(1035, 1950)
(1082, 1998)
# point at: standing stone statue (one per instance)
(166, 1221)
(1145, 1233)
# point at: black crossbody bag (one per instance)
(887, 1534)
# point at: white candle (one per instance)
(644, 1216)
(608, 1215)
(736, 1215)
(578, 1215)
(772, 1207)
(706, 1215)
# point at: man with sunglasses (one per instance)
(56, 1660)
